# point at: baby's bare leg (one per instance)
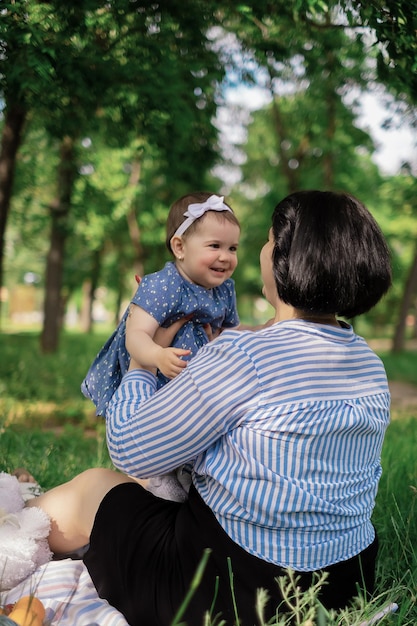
(72, 507)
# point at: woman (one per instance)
(284, 425)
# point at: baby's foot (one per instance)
(23, 476)
(29, 486)
(168, 487)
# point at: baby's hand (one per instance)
(169, 362)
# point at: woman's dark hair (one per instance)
(329, 255)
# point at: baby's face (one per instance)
(210, 251)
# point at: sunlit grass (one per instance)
(53, 456)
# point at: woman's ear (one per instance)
(177, 247)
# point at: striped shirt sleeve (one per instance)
(150, 433)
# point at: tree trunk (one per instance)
(132, 222)
(281, 135)
(331, 97)
(59, 211)
(290, 170)
(414, 313)
(118, 304)
(86, 316)
(328, 160)
(410, 290)
(10, 141)
(88, 293)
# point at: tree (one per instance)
(166, 107)
(150, 75)
(35, 65)
(400, 225)
(12, 51)
(113, 65)
(393, 24)
(59, 209)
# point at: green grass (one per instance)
(47, 426)
(395, 517)
(53, 457)
(27, 374)
(401, 366)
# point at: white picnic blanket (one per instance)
(68, 594)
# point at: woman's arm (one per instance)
(151, 433)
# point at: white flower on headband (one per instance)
(196, 210)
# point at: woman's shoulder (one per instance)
(286, 334)
(241, 339)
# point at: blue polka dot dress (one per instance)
(168, 297)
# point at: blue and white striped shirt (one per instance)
(285, 427)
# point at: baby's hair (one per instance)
(329, 255)
(177, 210)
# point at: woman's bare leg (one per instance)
(72, 507)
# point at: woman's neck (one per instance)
(285, 312)
(328, 319)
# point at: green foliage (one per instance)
(142, 86)
(124, 77)
(393, 24)
(150, 99)
(308, 136)
(395, 27)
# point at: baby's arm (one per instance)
(140, 331)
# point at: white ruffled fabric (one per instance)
(23, 535)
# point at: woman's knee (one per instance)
(98, 480)
(91, 486)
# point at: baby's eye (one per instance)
(214, 245)
(233, 248)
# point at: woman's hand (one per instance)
(165, 336)
(212, 334)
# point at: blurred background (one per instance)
(112, 110)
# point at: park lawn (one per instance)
(47, 426)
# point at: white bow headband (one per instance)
(194, 211)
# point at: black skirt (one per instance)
(144, 552)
